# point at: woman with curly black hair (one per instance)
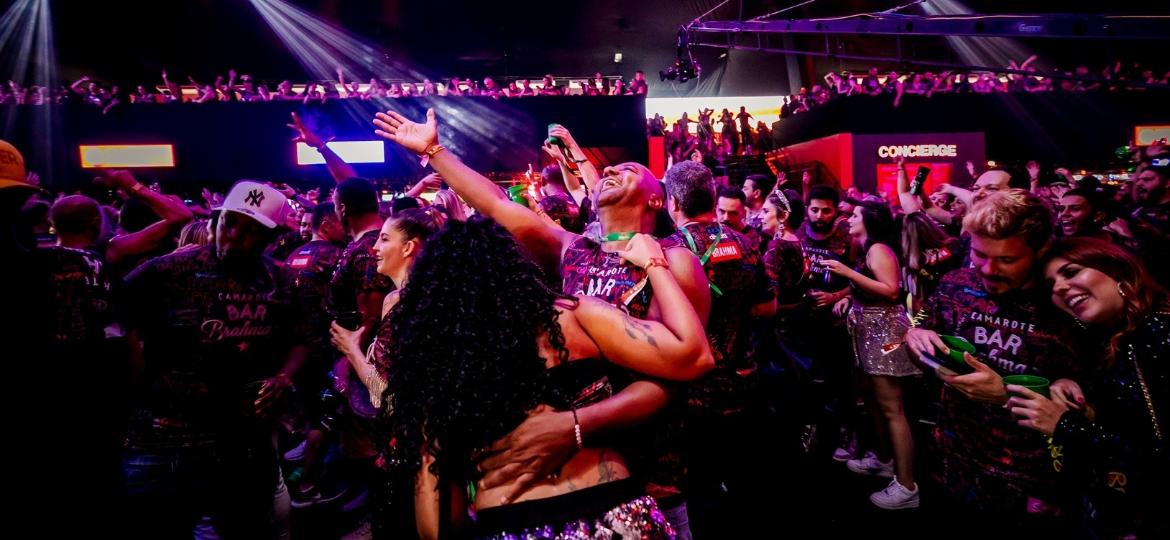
(479, 343)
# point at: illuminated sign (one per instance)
(1147, 135)
(919, 150)
(348, 151)
(127, 155)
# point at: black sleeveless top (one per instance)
(579, 383)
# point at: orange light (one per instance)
(127, 155)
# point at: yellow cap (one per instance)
(12, 173)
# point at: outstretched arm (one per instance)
(338, 168)
(172, 211)
(542, 238)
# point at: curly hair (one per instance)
(466, 368)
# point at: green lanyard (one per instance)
(707, 254)
(617, 236)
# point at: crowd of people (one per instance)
(601, 354)
(242, 87)
(1118, 76)
(736, 135)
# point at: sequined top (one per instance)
(1126, 466)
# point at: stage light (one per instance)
(684, 68)
(977, 51)
(29, 58)
(321, 47)
(348, 151)
(127, 155)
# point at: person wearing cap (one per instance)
(38, 474)
(217, 335)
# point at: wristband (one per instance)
(430, 152)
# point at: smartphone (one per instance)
(350, 320)
(919, 180)
(945, 365)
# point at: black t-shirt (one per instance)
(209, 333)
(836, 246)
(311, 266)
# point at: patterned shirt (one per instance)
(357, 273)
(987, 458)
(734, 268)
(82, 296)
(589, 271)
(208, 334)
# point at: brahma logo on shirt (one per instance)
(726, 251)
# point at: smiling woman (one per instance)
(1112, 437)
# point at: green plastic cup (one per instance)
(957, 346)
(516, 193)
(1031, 382)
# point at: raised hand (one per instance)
(410, 135)
(116, 179)
(1033, 169)
(563, 134)
(305, 134)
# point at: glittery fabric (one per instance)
(1117, 456)
(636, 519)
(872, 327)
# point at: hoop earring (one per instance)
(1120, 291)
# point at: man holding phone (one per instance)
(989, 466)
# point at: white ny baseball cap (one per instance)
(258, 201)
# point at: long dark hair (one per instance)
(1142, 295)
(920, 233)
(880, 227)
(465, 367)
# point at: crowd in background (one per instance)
(1118, 76)
(242, 88)
(602, 348)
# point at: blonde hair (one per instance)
(1011, 213)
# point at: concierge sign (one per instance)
(945, 154)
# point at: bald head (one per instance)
(990, 182)
(76, 218)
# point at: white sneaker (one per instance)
(872, 466)
(843, 454)
(297, 453)
(895, 497)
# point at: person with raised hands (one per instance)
(628, 200)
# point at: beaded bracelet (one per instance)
(577, 430)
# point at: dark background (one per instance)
(131, 41)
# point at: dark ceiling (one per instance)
(132, 40)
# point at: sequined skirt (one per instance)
(875, 329)
(611, 511)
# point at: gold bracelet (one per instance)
(657, 261)
(430, 152)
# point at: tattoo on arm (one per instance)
(634, 327)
